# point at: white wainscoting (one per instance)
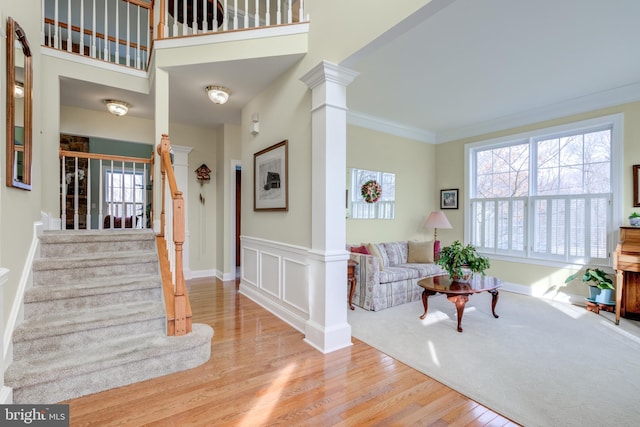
(276, 276)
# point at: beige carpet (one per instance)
(542, 363)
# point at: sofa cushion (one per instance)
(377, 249)
(360, 250)
(397, 252)
(420, 252)
(425, 270)
(396, 273)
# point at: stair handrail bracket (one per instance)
(174, 237)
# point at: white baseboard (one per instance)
(550, 295)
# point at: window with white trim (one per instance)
(383, 208)
(124, 193)
(546, 194)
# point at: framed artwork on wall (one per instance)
(449, 199)
(271, 178)
(636, 186)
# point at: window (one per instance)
(547, 194)
(124, 193)
(384, 208)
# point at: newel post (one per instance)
(163, 147)
(160, 31)
(178, 239)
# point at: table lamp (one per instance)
(437, 220)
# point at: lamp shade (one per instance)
(437, 219)
(117, 108)
(218, 94)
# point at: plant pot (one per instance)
(594, 292)
(466, 277)
(604, 296)
(634, 221)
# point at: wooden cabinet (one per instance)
(626, 261)
(75, 143)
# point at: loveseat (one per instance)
(387, 273)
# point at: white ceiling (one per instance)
(453, 68)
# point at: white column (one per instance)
(6, 395)
(327, 328)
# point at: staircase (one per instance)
(95, 319)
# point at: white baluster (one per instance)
(301, 11)
(100, 196)
(139, 45)
(88, 178)
(56, 40)
(116, 57)
(225, 13)
(111, 203)
(81, 48)
(256, 19)
(75, 195)
(63, 195)
(123, 211)
(93, 37)
(279, 18)
(185, 23)
(128, 45)
(289, 14)
(235, 14)
(69, 42)
(144, 192)
(267, 17)
(246, 13)
(105, 36)
(194, 22)
(175, 18)
(205, 15)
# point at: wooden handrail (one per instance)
(85, 155)
(179, 307)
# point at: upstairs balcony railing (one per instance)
(122, 31)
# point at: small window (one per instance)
(383, 207)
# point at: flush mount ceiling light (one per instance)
(117, 108)
(218, 94)
(18, 90)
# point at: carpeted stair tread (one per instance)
(67, 323)
(91, 236)
(94, 260)
(49, 367)
(98, 286)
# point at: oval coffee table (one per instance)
(458, 292)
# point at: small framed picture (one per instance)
(449, 199)
(636, 186)
(270, 176)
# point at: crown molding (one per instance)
(583, 104)
(381, 125)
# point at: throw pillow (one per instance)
(420, 252)
(373, 250)
(360, 250)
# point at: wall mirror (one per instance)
(370, 194)
(19, 109)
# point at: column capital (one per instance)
(327, 71)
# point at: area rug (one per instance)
(542, 363)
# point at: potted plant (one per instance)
(600, 284)
(634, 219)
(458, 259)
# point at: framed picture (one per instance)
(271, 178)
(636, 186)
(449, 199)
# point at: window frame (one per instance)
(615, 121)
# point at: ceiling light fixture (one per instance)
(18, 90)
(218, 94)
(117, 108)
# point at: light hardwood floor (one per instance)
(261, 373)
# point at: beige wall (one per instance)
(19, 209)
(541, 278)
(414, 165)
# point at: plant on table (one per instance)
(457, 257)
(599, 281)
(634, 218)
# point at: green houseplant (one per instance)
(457, 257)
(600, 284)
(634, 219)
